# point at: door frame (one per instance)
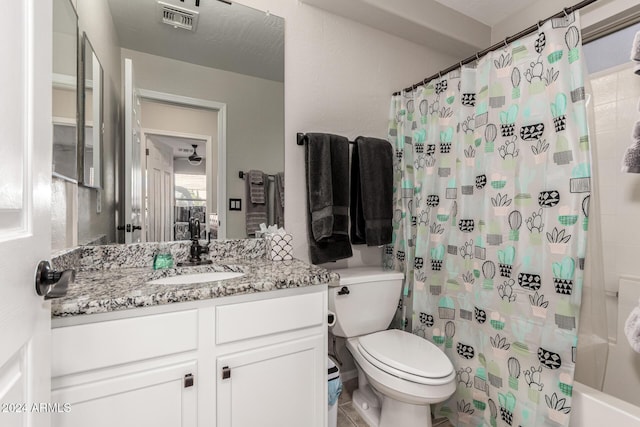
(221, 109)
(209, 154)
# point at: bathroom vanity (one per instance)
(246, 351)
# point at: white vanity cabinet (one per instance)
(270, 363)
(237, 361)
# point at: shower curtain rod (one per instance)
(504, 43)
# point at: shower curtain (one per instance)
(492, 185)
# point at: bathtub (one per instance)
(593, 408)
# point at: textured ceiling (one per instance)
(232, 37)
(488, 12)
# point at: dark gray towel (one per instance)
(258, 186)
(371, 192)
(255, 213)
(279, 199)
(327, 171)
(328, 184)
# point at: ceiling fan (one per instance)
(195, 159)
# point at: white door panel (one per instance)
(133, 203)
(25, 201)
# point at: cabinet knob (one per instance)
(226, 373)
(343, 291)
(188, 380)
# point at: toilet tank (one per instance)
(370, 303)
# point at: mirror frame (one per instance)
(58, 81)
(98, 117)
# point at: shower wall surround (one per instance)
(492, 183)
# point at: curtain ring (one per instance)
(540, 24)
(506, 44)
(461, 65)
(440, 75)
(566, 14)
(477, 57)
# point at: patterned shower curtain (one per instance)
(492, 181)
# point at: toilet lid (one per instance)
(407, 353)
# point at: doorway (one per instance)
(182, 142)
(177, 186)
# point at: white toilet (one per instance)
(399, 374)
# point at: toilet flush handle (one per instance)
(343, 291)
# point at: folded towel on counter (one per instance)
(255, 213)
(631, 158)
(632, 329)
(257, 185)
(371, 192)
(279, 199)
(327, 172)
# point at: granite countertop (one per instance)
(108, 290)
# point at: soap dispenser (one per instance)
(163, 258)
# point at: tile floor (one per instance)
(348, 416)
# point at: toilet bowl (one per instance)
(399, 374)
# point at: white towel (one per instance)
(635, 53)
(632, 329)
(635, 48)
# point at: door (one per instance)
(133, 225)
(25, 202)
(159, 397)
(276, 386)
(159, 190)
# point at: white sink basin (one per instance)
(188, 279)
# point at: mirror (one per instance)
(91, 121)
(64, 92)
(203, 53)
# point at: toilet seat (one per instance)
(406, 356)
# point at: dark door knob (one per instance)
(51, 283)
(343, 291)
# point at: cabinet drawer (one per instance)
(98, 345)
(240, 321)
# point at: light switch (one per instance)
(235, 204)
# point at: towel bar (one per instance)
(242, 174)
(301, 138)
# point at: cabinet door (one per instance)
(155, 397)
(281, 385)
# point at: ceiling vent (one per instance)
(177, 17)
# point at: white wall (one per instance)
(254, 115)
(339, 77)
